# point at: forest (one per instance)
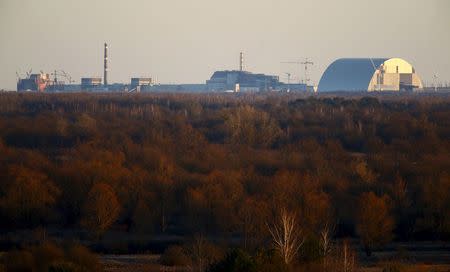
(273, 180)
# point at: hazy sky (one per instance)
(185, 41)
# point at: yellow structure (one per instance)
(369, 74)
(394, 75)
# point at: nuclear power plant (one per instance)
(43, 82)
(370, 74)
(362, 74)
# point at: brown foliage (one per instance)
(374, 221)
(29, 195)
(221, 164)
(101, 208)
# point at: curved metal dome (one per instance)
(349, 74)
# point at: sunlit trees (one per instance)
(374, 222)
(249, 126)
(344, 259)
(326, 243)
(223, 165)
(364, 172)
(213, 205)
(252, 216)
(287, 236)
(28, 198)
(101, 208)
(164, 182)
(436, 200)
(202, 253)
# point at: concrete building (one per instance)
(90, 82)
(231, 80)
(369, 74)
(181, 88)
(34, 82)
(141, 81)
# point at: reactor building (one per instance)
(370, 74)
(241, 81)
(244, 81)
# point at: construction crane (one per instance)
(63, 74)
(306, 63)
(55, 84)
(299, 63)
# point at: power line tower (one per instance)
(306, 63)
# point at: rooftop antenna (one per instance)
(241, 62)
(289, 81)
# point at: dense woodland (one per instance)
(231, 166)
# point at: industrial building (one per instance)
(370, 74)
(34, 82)
(236, 81)
(141, 81)
(241, 80)
(90, 82)
(221, 81)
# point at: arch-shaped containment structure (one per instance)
(369, 74)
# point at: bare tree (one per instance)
(345, 259)
(325, 236)
(287, 236)
(202, 253)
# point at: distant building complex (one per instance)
(362, 74)
(367, 74)
(221, 81)
(35, 82)
(88, 83)
(241, 81)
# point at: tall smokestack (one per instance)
(241, 62)
(105, 66)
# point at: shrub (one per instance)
(64, 267)
(45, 254)
(236, 261)
(311, 250)
(174, 256)
(393, 267)
(19, 261)
(84, 258)
(270, 261)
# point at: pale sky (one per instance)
(185, 41)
